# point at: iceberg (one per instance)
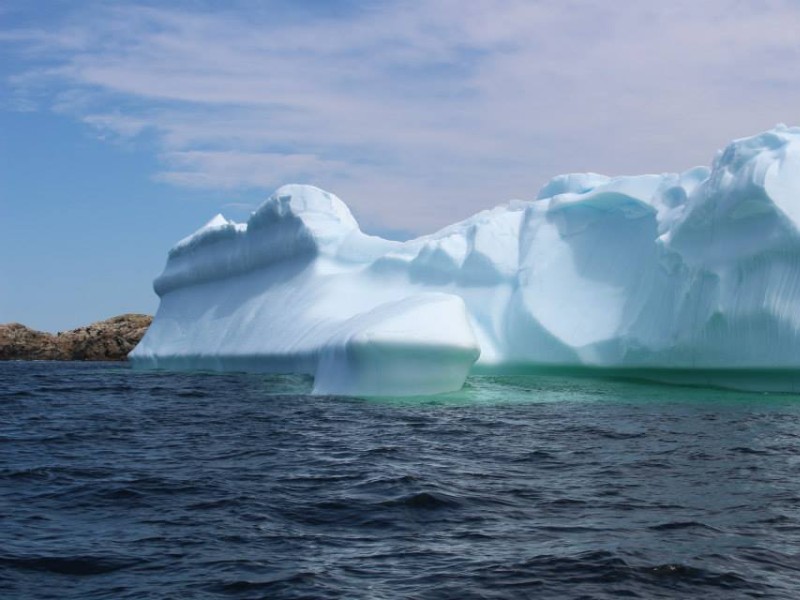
(691, 277)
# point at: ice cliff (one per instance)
(670, 275)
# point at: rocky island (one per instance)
(111, 339)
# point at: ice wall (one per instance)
(687, 273)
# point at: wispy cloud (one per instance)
(231, 169)
(417, 113)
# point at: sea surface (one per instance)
(119, 484)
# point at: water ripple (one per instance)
(118, 484)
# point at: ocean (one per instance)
(120, 484)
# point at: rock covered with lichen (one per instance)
(111, 339)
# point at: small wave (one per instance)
(69, 565)
(593, 568)
(583, 567)
(17, 394)
(610, 434)
(686, 574)
(677, 525)
(567, 502)
(775, 561)
(748, 450)
(212, 504)
(50, 472)
(425, 501)
(383, 450)
(116, 389)
(122, 493)
(191, 394)
(389, 480)
(264, 585)
(534, 456)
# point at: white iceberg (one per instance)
(689, 277)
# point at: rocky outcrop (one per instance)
(111, 339)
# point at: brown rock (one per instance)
(111, 339)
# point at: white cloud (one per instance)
(117, 124)
(232, 170)
(421, 112)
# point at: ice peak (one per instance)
(217, 221)
(322, 212)
(571, 183)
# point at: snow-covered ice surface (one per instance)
(690, 277)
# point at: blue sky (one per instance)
(124, 126)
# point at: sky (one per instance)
(124, 126)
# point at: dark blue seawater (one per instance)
(117, 484)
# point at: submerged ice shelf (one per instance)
(690, 273)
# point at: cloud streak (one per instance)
(419, 113)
